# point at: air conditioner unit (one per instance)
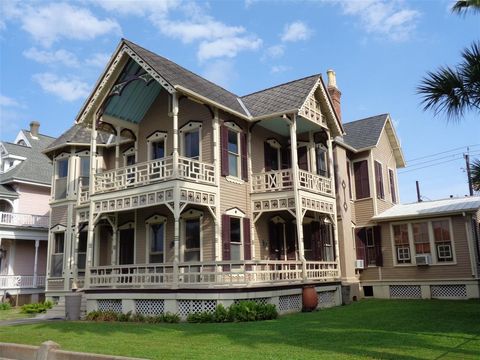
(359, 264)
(423, 259)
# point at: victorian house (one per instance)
(25, 176)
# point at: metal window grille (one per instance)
(290, 302)
(110, 305)
(405, 292)
(186, 307)
(149, 307)
(448, 291)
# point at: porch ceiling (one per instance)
(281, 127)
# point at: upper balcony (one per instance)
(282, 180)
(24, 220)
(153, 171)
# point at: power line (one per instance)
(443, 152)
(424, 167)
(473, 153)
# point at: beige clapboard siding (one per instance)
(363, 211)
(462, 268)
(383, 205)
(59, 215)
(384, 154)
(259, 136)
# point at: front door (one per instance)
(126, 246)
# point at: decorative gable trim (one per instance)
(156, 219)
(58, 228)
(235, 212)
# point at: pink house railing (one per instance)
(28, 220)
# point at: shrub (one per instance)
(36, 308)
(221, 314)
(93, 315)
(5, 306)
(124, 317)
(170, 318)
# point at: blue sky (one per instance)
(51, 54)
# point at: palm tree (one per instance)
(454, 90)
(475, 174)
(463, 6)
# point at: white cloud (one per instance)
(50, 57)
(68, 89)
(227, 47)
(6, 101)
(98, 59)
(279, 69)
(393, 20)
(138, 8)
(296, 31)
(275, 51)
(52, 22)
(220, 71)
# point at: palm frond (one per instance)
(470, 69)
(462, 7)
(475, 174)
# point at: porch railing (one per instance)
(280, 180)
(21, 281)
(220, 273)
(153, 171)
(28, 220)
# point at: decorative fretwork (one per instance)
(82, 215)
(197, 197)
(285, 203)
(317, 205)
(311, 110)
(186, 307)
(114, 305)
(405, 292)
(135, 201)
(260, 301)
(290, 303)
(448, 291)
(150, 307)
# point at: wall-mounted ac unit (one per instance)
(359, 264)
(423, 259)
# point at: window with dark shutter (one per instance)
(377, 236)
(379, 180)
(362, 186)
(244, 153)
(247, 245)
(392, 186)
(224, 150)
(225, 237)
(360, 240)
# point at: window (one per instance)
(421, 238)
(233, 153)
(362, 186)
(235, 239)
(392, 186)
(192, 239)
(321, 157)
(379, 180)
(84, 170)
(236, 236)
(368, 244)
(61, 179)
(57, 254)
(443, 240)
(82, 251)
(190, 140)
(157, 241)
(157, 149)
(272, 155)
(402, 245)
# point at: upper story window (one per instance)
(362, 185)
(84, 170)
(234, 151)
(61, 178)
(272, 155)
(57, 254)
(190, 137)
(321, 157)
(391, 176)
(156, 144)
(379, 180)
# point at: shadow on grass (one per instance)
(368, 329)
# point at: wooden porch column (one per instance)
(216, 163)
(175, 134)
(117, 147)
(91, 225)
(176, 192)
(35, 263)
(332, 179)
(113, 255)
(298, 205)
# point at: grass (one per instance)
(371, 329)
(13, 314)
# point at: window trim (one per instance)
(157, 136)
(131, 224)
(58, 229)
(241, 244)
(379, 192)
(393, 189)
(190, 214)
(153, 220)
(354, 187)
(64, 156)
(128, 152)
(191, 126)
(238, 155)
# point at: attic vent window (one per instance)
(22, 142)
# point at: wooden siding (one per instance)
(59, 215)
(460, 270)
(259, 136)
(363, 211)
(33, 199)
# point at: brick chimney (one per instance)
(34, 126)
(335, 94)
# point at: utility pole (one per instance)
(419, 198)
(467, 163)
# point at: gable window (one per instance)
(57, 254)
(402, 245)
(379, 180)
(392, 186)
(362, 186)
(61, 179)
(190, 139)
(443, 240)
(421, 238)
(234, 151)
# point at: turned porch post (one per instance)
(176, 191)
(35, 263)
(298, 205)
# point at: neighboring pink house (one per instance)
(25, 175)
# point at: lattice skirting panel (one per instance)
(262, 301)
(110, 305)
(149, 307)
(186, 307)
(405, 292)
(326, 298)
(448, 291)
(290, 303)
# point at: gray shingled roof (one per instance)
(77, 134)
(364, 133)
(280, 98)
(177, 75)
(430, 208)
(36, 168)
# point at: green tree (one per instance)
(475, 173)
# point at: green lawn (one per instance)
(13, 314)
(372, 329)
